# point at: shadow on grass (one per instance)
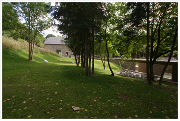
(36, 83)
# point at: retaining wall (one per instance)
(157, 68)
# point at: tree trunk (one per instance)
(147, 47)
(112, 73)
(86, 56)
(151, 56)
(89, 54)
(89, 68)
(32, 52)
(152, 52)
(75, 56)
(82, 57)
(78, 60)
(31, 45)
(93, 51)
(29, 39)
(104, 63)
(171, 53)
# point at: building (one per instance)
(58, 45)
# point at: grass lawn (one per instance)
(38, 90)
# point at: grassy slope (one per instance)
(48, 90)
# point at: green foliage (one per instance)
(80, 22)
(50, 35)
(10, 22)
(39, 40)
(78, 18)
(9, 17)
(163, 16)
(138, 12)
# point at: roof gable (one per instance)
(55, 40)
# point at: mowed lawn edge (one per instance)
(38, 90)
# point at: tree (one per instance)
(126, 39)
(138, 14)
(163, 22)
(39, 40)
(171, 53)
(10, 21)
(35, 15)
(79, 22)
(107, 16)
(147, 47)
(163, 32)
(50, 35)
(9, 17)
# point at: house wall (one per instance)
(61, 47)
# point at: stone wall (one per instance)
(157, 68)
(129, 65)
(126, 65)
(61, 47)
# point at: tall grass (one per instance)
(10, 43)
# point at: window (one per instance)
(66, 53)
(58, 51)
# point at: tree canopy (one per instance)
(50, 35)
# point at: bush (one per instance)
(21, 40)
(5, 33)
(41, 45)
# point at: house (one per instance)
(58, 45)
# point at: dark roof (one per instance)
(55, 40)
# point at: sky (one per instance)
(52, 30)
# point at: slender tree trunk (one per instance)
(104, 63)
(78, 60)
(147, 47)
(29, 38)
(82, 57)
(31, 45)
(171, 53)
(89, 54)
(93, 51)
(86, 55)
(152, 52)
(75, 56)
(151, 56)
(112, 73)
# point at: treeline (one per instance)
(123, 28)
(35, 17)
(81, 22)
(12, 27)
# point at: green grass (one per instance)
(38, 90)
